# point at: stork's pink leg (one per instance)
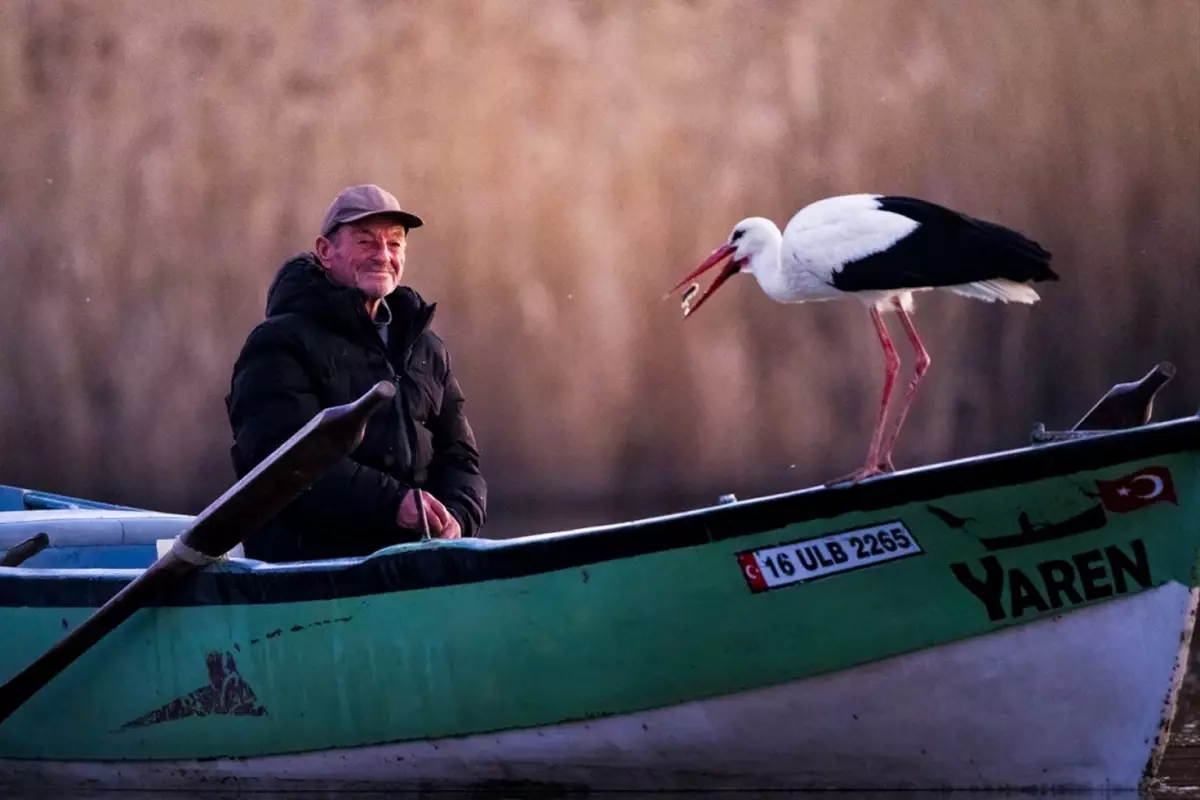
(891, 364)
(919, 369)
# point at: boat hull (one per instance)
(1078, 701)
(1011, 621)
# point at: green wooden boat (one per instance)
(1015, 620)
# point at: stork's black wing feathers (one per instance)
(947, 248)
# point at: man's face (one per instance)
(368, 255)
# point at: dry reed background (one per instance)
(572, 159)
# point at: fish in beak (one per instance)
(716, 257)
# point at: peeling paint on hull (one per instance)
(227, 694)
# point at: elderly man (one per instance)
(337, 322)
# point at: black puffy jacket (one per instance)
(317, 348)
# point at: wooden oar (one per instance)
(244, 508)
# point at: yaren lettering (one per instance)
(1090, 575)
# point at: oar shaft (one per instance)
(119, 608)
(330, 436)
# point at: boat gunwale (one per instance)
(438, 563)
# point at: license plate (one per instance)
(810, 559)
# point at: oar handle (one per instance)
(250, 503)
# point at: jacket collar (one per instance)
(302, 286)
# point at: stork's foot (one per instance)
(860, 474)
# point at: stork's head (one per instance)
(751, 242)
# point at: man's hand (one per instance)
(442, 524)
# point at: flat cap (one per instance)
(365, 200)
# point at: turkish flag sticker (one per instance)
(1143, 488)
(754, 576)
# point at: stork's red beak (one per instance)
(716, 257)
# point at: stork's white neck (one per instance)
(763, 251)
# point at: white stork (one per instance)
(880, 249)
